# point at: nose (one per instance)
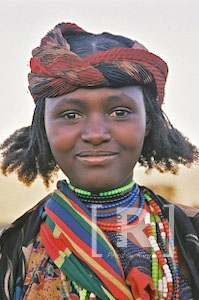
(96, 130)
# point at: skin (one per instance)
(96, 135)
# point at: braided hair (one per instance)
(27, 151)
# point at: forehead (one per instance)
(91, 96)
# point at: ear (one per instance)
(148, 126)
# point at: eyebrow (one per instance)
(80, 103)
(116, 98)
(73, 101)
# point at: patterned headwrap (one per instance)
(55, 70)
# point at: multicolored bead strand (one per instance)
(161, 259)
(168, 249)
(162, 243)
(160, 284)
(155, 265)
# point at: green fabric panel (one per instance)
(77, 272)
(50, 223)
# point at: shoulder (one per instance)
(188, 210)
(16, 241)
(31, 218)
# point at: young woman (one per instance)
(99, 235)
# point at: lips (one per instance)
(96, 153)
(96, 157)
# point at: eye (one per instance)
(119, 113)
(71, 115)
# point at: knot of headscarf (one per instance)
(55, 70)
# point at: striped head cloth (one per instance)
(56, 70)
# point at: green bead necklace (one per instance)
(102, 194)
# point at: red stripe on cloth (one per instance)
(128, 54)
(48, 241)
(115, 290)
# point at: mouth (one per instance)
(98, 157)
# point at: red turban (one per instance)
(55, 70)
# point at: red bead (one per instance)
(147, 231)
(166, 226)
(156, 208)
(162, 261)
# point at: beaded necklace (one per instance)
(102, 195)
(105, 200)
(132, 195)
(165, 271)
(128, 201)
(132, 221)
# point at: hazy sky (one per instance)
(169, 28)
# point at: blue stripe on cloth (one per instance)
(82, 233)
(61, 185)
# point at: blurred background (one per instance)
(169, 29)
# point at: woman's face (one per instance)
(96, 135)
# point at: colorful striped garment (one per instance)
(43, 279)
(25, 265)
(68, 234)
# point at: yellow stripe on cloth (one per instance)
(87, 220)
(61, 258)
(56, 232)
(110, 296)
(98, 267)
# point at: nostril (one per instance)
(96, 133)
(96, 137)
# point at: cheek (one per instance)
(132, 136)
(59, 139)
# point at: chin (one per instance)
(99, 179)
(97, 184)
